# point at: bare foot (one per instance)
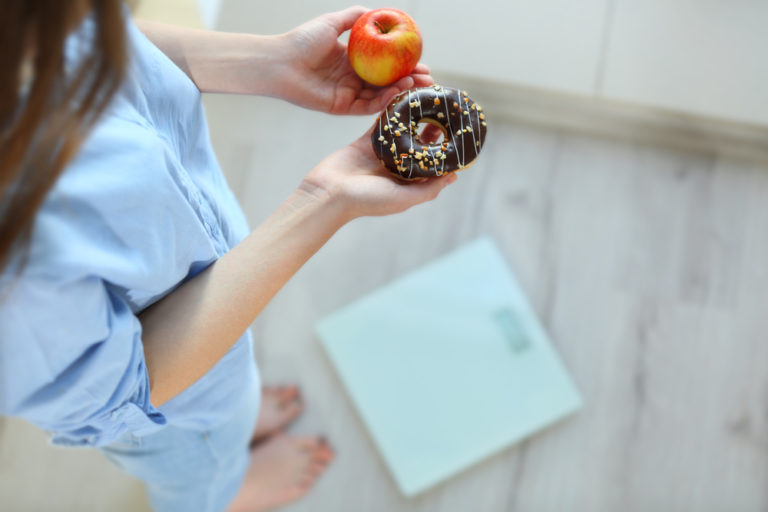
(280, 405)
(283, 468)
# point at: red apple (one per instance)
(384, 46)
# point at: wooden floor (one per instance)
(649, 268)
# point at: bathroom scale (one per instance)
(447, 365)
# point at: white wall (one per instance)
(209, 12)
(707, 57)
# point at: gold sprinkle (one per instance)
(410, 151)
(455, 104)
(393, 148)
(440, 115)
(397, 114)
(401, 125)
(482, 116)
(437, 101)
(464, 93)
(477, 143)
(483, 123)
(474, 106)
(468, 129)
(386, 128)
(437, 87)
(393, 119)
(479, 108)
(466, 112)
(421, 164)
(438, 154)
(443, 157)
(418, 156)
(381, 138)
(397, 133)
(466, 100)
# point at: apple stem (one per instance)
(381, 29)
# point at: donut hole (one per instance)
(429, 131)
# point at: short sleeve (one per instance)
(72, 361)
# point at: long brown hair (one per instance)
(45, 110)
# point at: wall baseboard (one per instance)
(615, 119)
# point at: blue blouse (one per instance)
(142, 208)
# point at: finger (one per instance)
(420, 192)
(370, 101)
(422, 80)
(368, 94)
(393, 90)
(421, 69)
(342, 21)
(364, 106)
(404, 83)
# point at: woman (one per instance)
(129, 275)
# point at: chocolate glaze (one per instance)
(400, 149)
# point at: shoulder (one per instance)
(98, 218)
(121, 136)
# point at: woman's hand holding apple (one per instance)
(314, 70)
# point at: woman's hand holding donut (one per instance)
(354, 179)
(317, 73)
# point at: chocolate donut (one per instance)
(399, 147)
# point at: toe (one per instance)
(323, 455)
(270, 399)
(282, 469)
(316, 468)
(291, 411)
(305, 482)
(280, 405)
(310, 444)
(288, 394)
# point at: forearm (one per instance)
(220, 61)
(190, 330)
